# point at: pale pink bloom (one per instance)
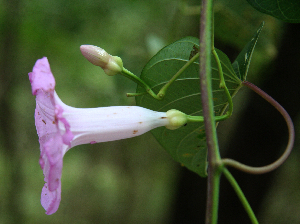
(61, 127)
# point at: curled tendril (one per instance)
(289, 147)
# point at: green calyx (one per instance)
(176, 119)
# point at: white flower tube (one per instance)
(103, 124)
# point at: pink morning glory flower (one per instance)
(61, 127)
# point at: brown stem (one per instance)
(208, 112)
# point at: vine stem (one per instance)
(133, 77)
(214, 158)
(223, 84)
(240, 195)
(284, 156)
(161, 94)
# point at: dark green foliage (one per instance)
(187, 144)
(242, 62)
(286, 10)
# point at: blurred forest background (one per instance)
(135, 180)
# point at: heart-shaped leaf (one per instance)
(286, 10)
(187, 145)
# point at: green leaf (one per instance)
(286, 10)
(242, 62)
(187, 145)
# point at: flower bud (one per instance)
(114, 66)
(176, 119)
(111, 65)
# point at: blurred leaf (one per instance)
(286, 10)
(187, 144)
(242, 62)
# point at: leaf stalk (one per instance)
(289, 147)
(240, 195)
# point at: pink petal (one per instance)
(52, 157)
(41, 76)
(53, 142)
(68, 136)
(45, 116)
(50, 200)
